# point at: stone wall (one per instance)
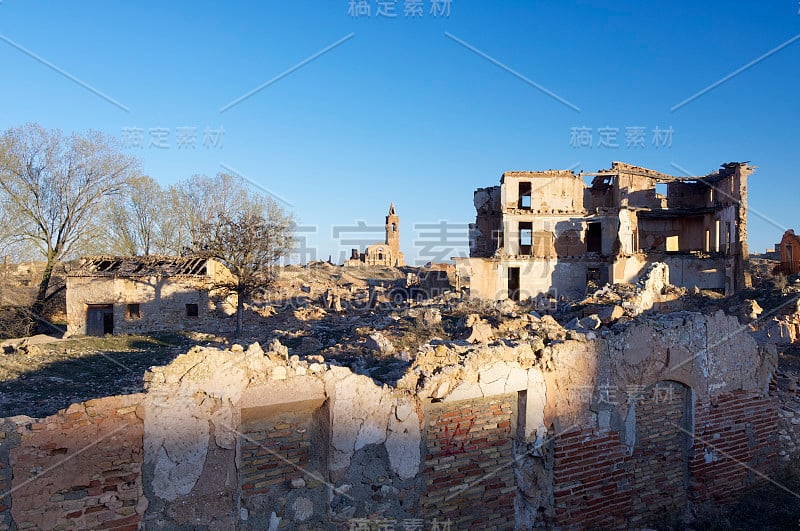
(162, 303)
(617, 429)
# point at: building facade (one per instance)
(789, 250)
(551, 232)
(115, 295)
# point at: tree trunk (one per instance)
(41, 294)
(239, 312)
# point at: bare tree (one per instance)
(52, 185)
(249, 238)
(135, 218)
(199, 199)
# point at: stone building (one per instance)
(549, 232)
(789, 250)
(124, 295)
(387, 253)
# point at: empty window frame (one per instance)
(525, 195)
(673, 244)
(525, 237)
(594, 237)
(133, 311)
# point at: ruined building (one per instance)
(548, 232)
(789, 250)
(385, 254)
(126, 295)
(655, 419)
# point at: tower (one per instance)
(393, 231)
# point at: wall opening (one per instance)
(661, 189)
(525, 195)
(513, 283)
(525, 237)
(594, 237)
(728, 237)
(497, 239)
(673, 244)
(192, 310)
(134, 311)
(593, 275)
(99, 319)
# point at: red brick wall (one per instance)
(5, 480)
(80, 468)
(734, 436)
(659, 462)
(470, 443)
(591, 481)
(596, 481)
(274, 445)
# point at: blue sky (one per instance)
(407, 109)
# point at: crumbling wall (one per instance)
(611, 428)
(789, 249)
(735, 444)
(484, 233)
(8, 439)
(80, 468)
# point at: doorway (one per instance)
(594, 237)
(99, 319)
(513, 283)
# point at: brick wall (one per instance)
(6, 440)
(280, 444)
(271, 454)
(599, 482)
(735, 436)
(80, 468)
(470, 444)
(591, 480)
(658, 464)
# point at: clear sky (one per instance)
(357, 111)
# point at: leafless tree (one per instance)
(135, 217)
(52, 186)
(249, 237)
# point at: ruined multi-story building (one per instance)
(386, 253)
(789, 251)
(126, 295)
(549, 232)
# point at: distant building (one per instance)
(789, 249)
(385, 254)
(547, 232)
(126, 295)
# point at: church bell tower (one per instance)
(393, 231)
